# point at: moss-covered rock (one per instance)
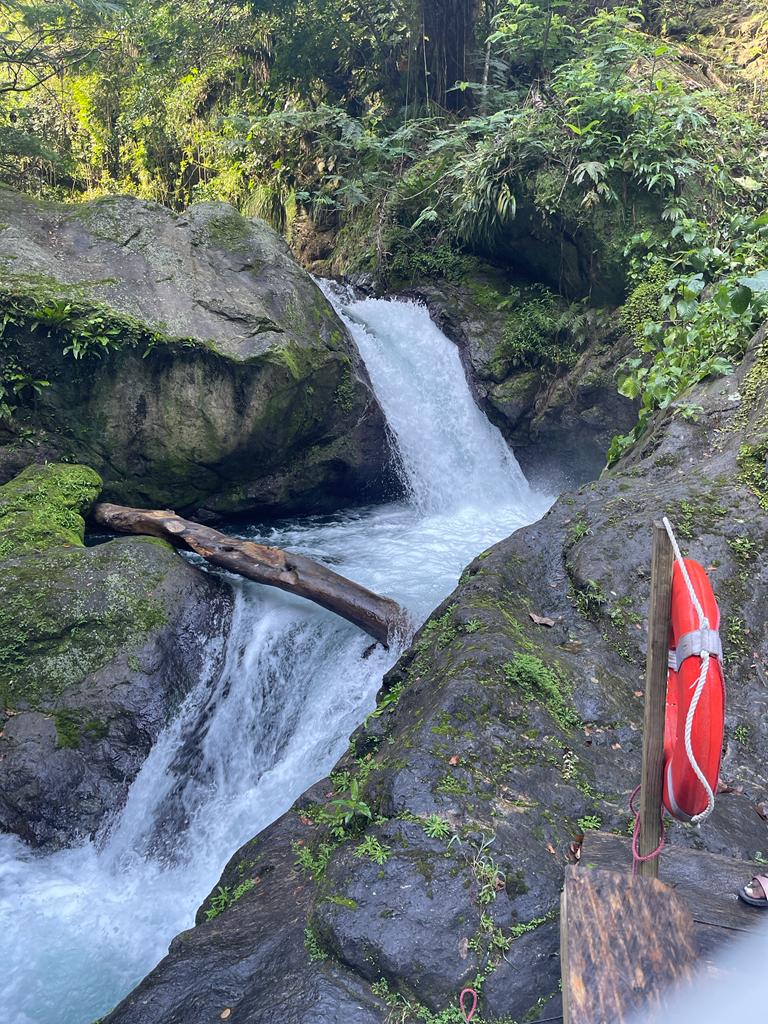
(98, 646)
(43, 507)
(188, 359)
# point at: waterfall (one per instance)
(450, 454)
(80, 927)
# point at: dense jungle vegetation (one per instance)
(431, 136)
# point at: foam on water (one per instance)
(80, 927)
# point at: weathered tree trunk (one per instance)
(381, 617)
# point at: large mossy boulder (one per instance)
(187, 358)
(498, 740)
(98, 647)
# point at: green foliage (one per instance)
(422, 262)
(373, 850)
(736, 640)
(580, 124)
(529, 926)
(488, 875)
(703, 335)
(346, 809)
(452, 784)
(744, 549)
(590, 600)
(390, 699)
(313, 861)
(226, 896)
(579, 530)
(742, 735)
(589, 821)
(752, 461)
(436, 827)
(536, 681)
(437, 632)
(84, 328)
(314, 946)
(642, 304)
(535, 334)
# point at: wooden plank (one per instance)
(652, 779)
(624, 942)
(707, 881)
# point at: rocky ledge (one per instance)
(496, 741)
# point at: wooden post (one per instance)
(652, 779)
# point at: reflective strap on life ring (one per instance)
(694, 644)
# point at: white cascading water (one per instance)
(79, 928)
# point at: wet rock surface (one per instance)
(496, 742)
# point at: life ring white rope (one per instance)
(700, 683)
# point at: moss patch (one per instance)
(43, 507)
(536, 681)
(67, 612)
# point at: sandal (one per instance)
(756, 892)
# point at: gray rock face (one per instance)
(516, 736)
(228, 384)
(115, 636)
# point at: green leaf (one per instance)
(741, 299)
(749, 184)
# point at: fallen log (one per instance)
(380, 617)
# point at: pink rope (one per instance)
(636, 858)
(468, 1014)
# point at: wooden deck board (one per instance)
(707, 882)
(609, 927)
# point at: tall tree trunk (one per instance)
(447, 30)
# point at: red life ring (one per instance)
(684, 795)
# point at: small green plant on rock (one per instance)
(437, 827)
(742, 735)
(735, 635)
(225, 897)
(536, 681)
(490, 878)
(390, 699)
(490, 939)
(530, 926)
(590, 600)
(345, 809)
(314, 862)
(589, 822)
(451, 784)
(744, 548)
(579, 530)
(373, 850)
(313, 946)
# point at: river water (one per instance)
(79, 928)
